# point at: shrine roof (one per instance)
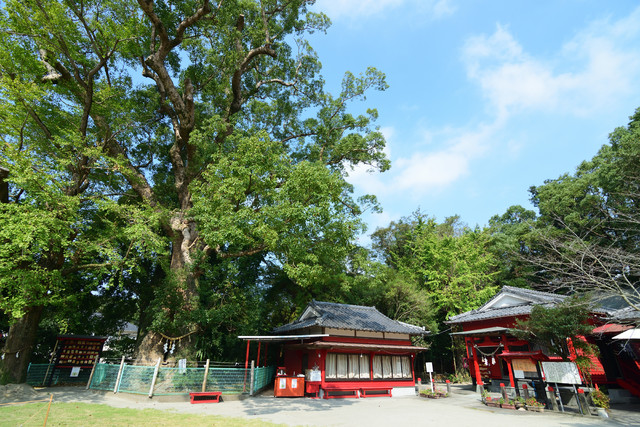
(346, 316)
(627, 314)
(509, 302)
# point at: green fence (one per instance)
(263, 377)
(172, 381)
(43, 374)
(104, 377)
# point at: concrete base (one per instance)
(620, 395)
(403, 391)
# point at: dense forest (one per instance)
(180, 166)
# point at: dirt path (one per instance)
(461, 409)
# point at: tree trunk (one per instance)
(151, 345)
(150, 348)
(19, 346)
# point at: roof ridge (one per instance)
(344, 304)
(533, 291)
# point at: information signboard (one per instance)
(78, 351)
(561, 372)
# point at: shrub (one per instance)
(600, 399)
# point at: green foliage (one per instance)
(588, 226)
(600, 399)
(451, 262)
(233, 150)
(510, 242)
(551, 326)
(461, 377)
(533, 402)
(448, 266)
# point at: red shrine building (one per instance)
(342, 350)
(495, 356)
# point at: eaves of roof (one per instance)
(496, 313)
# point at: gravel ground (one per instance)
(462, 408)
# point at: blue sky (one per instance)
(486, 98)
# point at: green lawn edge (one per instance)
(83, 414)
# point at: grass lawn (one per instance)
(88, 414)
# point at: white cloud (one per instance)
(358, 9)
(584, 77)
(428, 171)
(588, 73)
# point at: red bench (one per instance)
(375, 391)
(340, 392)
(205, 397)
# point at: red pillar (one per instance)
(509, 367)
(413, 373)
(476, 366)
(258, 358)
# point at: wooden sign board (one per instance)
(78, 351)
(561, 372)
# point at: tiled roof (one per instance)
(627, 314)
(493, 313)
(345, 316)
(486, 311)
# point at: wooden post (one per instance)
(206, 374)
(115, 388)
(551, 397)
(582, 397)
(503, 391)
(95, 362)
(525, 391)
(246, 364)
(252, 377)
(53, 355)
(155, 376)
(448, 386)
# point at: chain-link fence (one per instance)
(169, 381)
(104, 377)
(172, 381)
(43, 374)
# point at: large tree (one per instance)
(589, 226)
(258, 152)
(61, 102)
(229, 144)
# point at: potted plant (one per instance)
(507, 404)
(491, 402)
(520, 402)
(531, 404)
(601, 401)
(428, 394)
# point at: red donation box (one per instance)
(289, 387)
